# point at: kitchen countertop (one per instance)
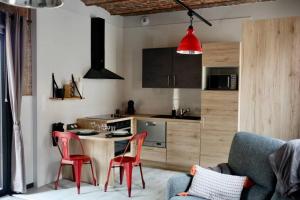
(150, 117)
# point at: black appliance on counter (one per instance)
(222, 82)
(130, 108)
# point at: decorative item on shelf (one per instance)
(190, 43)
(56, 91)
(75, 88)
(68, 90)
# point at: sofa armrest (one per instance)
(177, 184)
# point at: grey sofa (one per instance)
(248, 157)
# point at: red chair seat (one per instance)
(84, 158)
(124, 159)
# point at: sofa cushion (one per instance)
(256, 192)
(177, 184)
(277, 196)
(210, 184)
(249, 157)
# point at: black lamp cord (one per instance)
(191, 18)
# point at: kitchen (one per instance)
(212, 117)
(169, 134)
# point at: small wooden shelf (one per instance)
(71, 98)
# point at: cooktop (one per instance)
(107, 117)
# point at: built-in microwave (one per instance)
(222, 82)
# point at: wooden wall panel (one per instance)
(270, 78)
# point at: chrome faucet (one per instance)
(184, 111)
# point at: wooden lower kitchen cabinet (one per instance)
(219, 112)
(183, 144)
(154, 154)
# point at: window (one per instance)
(5, 120)
(1, 138)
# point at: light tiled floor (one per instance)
(156, 182)
(9, 198)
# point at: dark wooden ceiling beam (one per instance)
(142, 7)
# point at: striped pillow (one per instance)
(216, 186)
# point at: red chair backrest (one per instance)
(64, 142)
(139, 138)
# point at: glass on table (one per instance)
(112, 128)
(93, 125)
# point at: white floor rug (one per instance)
(156, 182)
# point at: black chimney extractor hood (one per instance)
(98, 70)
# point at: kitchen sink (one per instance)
(177, 117)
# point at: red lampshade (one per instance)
(190, 43)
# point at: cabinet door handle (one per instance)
(228, 82)
(174, 80)
(168, 80)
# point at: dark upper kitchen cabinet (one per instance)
(157, 68)
(187, 71)
(164, 68)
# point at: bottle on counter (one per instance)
(130, 108)
(173, 112)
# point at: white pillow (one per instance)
(216, 186)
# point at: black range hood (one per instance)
(98, 70)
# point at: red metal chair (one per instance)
(127, 162)
(75, 160)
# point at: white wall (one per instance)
(167, 29)
(63, 47)
(27, 130)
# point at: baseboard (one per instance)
(30, 185)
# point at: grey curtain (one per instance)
(14, 33)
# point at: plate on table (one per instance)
(86, 132)
(119, 133)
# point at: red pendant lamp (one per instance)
(190, 43)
